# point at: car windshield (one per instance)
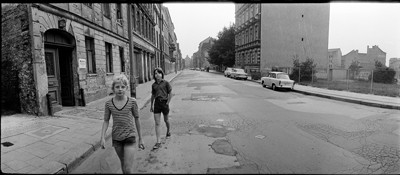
(283, 76)
(239, 70)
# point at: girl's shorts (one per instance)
(122, 143)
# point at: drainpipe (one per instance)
(131, 77)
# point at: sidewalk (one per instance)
(52, 145)
(352, 97)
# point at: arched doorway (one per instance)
(59, 46)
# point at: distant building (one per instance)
(271, 35)
(394, 63)
(334, 58)
(201, 55)
(365, 60)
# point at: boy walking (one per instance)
(160, 97)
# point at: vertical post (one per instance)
(131, 54)
(372, 80)
(49, 105)
(312, 77)
(347, 79)
(299, 75)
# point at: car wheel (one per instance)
(273, 87)
(262, 83)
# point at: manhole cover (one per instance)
(7, 144)
(46, 131)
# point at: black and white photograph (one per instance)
(200, 87)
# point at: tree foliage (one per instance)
(307, 69)
(223, 50)
(383, 74)
(354, 69)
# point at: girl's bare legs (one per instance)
(120, 153)
(157, 125)
(129, 152)
(126, 156)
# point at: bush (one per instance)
(383, 75)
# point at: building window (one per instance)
(119, 12)
(137, 21)
(109, 59)
(251, 34)
(146, 30)
(256, 32)
(106, 10)
(133, 18)
(143, 24)
(90, 56)
(88, 4)
(121, 56)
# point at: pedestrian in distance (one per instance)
(124, 111)
(160, 97)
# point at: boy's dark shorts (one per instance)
(127, 141)
(161, 106)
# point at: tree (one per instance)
(223, 50)
(383, 74)
(354, 69)
(307, 69)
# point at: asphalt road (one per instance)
(222, 125)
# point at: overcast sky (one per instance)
(352, 25)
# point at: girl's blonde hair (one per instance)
(119, 79)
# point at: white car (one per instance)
(239, 74)
(277, 80)
(228, 71)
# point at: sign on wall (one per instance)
(82, 63)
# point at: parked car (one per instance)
(198, 69)
(239, 74)
(228, 72)
(277, 80)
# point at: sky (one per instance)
(352, 26)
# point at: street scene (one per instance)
(200, 88)
(275, 131)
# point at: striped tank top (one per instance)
(123, 124)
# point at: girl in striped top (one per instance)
(124, 110)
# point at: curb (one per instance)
(345, 99)
(94, 146)
(349, 100)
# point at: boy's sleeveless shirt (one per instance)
(123, 124)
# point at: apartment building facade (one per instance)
(248, 38)
(76, 50)
(69, 52)
(269, 36)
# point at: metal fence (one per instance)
(367, 81)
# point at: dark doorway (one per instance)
(67, 85)
(59, 46)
